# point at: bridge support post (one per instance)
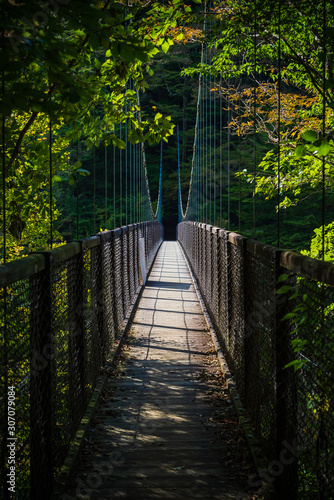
(42, 373)
(131, 259)
(97, 297)
(125, 269)
(76, 339)
(136, 255)
(286, 401)
(116, 277)
(106, 293)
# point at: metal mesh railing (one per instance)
(311, 409)
(60, 313)
(274, 316)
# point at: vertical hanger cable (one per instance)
(4, 205)
(94, 188)
(77, 191)
(228, 156)
(279, 129)
(50, 182)
(324, 16)
(254, 118)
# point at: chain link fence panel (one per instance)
(273, 312)
(60, 312)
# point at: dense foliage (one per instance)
(277, 58)
(65, 68)
(71, 70)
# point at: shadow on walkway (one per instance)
(165, 427)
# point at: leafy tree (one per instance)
(247, 37)
(66, 65)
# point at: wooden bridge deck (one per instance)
(165, 427)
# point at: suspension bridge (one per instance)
(133, 367)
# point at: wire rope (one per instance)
(4, 205)
(160, 183)
(150, 211)
(228, 156)
(4, 260)
(120, 179)
(221, 149)
(210, 135)
(239, 153)
(254, 118)
(94, 189)
(126, 161)
(206, 139)
(106, 186)
(179, 176)
(279, 128)
(324, 19)
(77, 192)
(200, 83)
(114, 182)
(130, 175)
(50, 182)
(214, 150)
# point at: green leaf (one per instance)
(324, 148)
(310, 135)
(282, 277)
(97, 64)
(83, 172)
(300, 151)
(298, 344)
(294, 295)
(289, 316)
(297, 364)
(165, 46)
(284, 289)
(56, 178)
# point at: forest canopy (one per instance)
(70, 76)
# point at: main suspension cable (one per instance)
(184, 214)
(154, 214)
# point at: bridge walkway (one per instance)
(165, 427)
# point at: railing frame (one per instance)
(210, 252)
(106, 319)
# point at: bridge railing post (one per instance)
(208, 266)
(235, 338)
(197, 249)
(222, 261)
(108, 327)
(286, 392)
(117, 280)
(214, 274)
(42, 389)
(260, 342)
(202, 258)
(93, 309)
(136, 256)
(124, 264)
(131, 259)
(76, 334)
